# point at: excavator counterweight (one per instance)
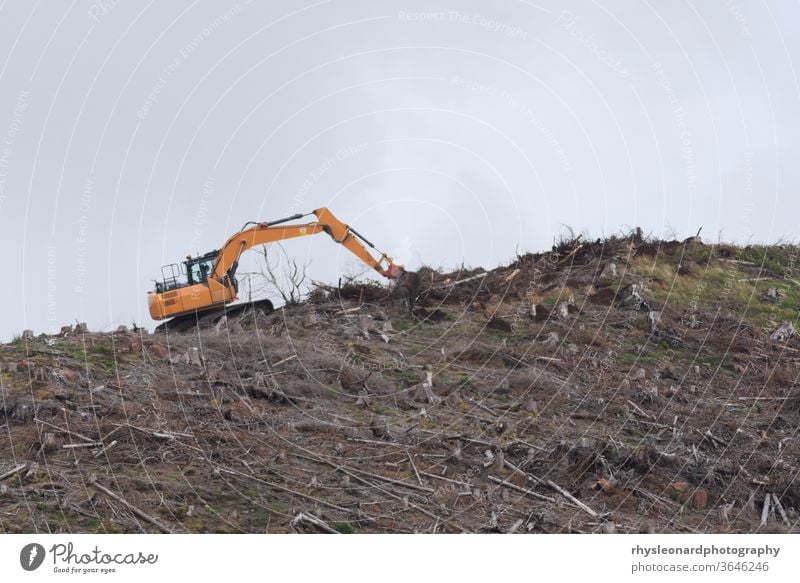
(210, 284)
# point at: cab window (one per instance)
(199, 271)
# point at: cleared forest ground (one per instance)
(623, 385)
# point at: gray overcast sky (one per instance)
(133, 133)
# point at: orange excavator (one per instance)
(200, 292)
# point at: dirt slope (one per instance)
(613, 386)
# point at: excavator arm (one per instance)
(262, 233)
(218, 287)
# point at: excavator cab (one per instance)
(193, 270)
(188, 288)
(198, 268)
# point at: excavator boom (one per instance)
(211, 278)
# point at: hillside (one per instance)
(624, 385)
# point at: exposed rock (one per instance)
(783, 332)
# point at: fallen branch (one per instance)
(430, 475)
(572, 498)
(781, 511)
(100, 452)
(371, 485)
(520, 489)
(763, 398)
(377, 476)
(311, 519)
(159, 434)
(639, 410)
(282, 488)
(79, 445)
(287, 359)
(765, 510)
(413, 465)
(144, 516)
(531, 477)
(460, 281)
(711, 437)
(65, 431)
(14, 471)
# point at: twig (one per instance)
(572, 498)
(287, 359)
(545, 358)
(18, 469)
(56, 427)
(460, 281)
(639, 410)
(413, 465)
(713, 438)
(373, 441)
(80, 445)
(310, 518)
(738, 261)
(100, 452)
(652, 497)
(763, 398)
(430, 475)
(531, 477)
(481, 406)
(159, 434)
(132, 508)
(519, 489)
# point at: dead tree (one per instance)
(290, 282)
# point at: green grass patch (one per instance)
(407, 379)
(717, 285)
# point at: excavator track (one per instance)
(208, 318)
